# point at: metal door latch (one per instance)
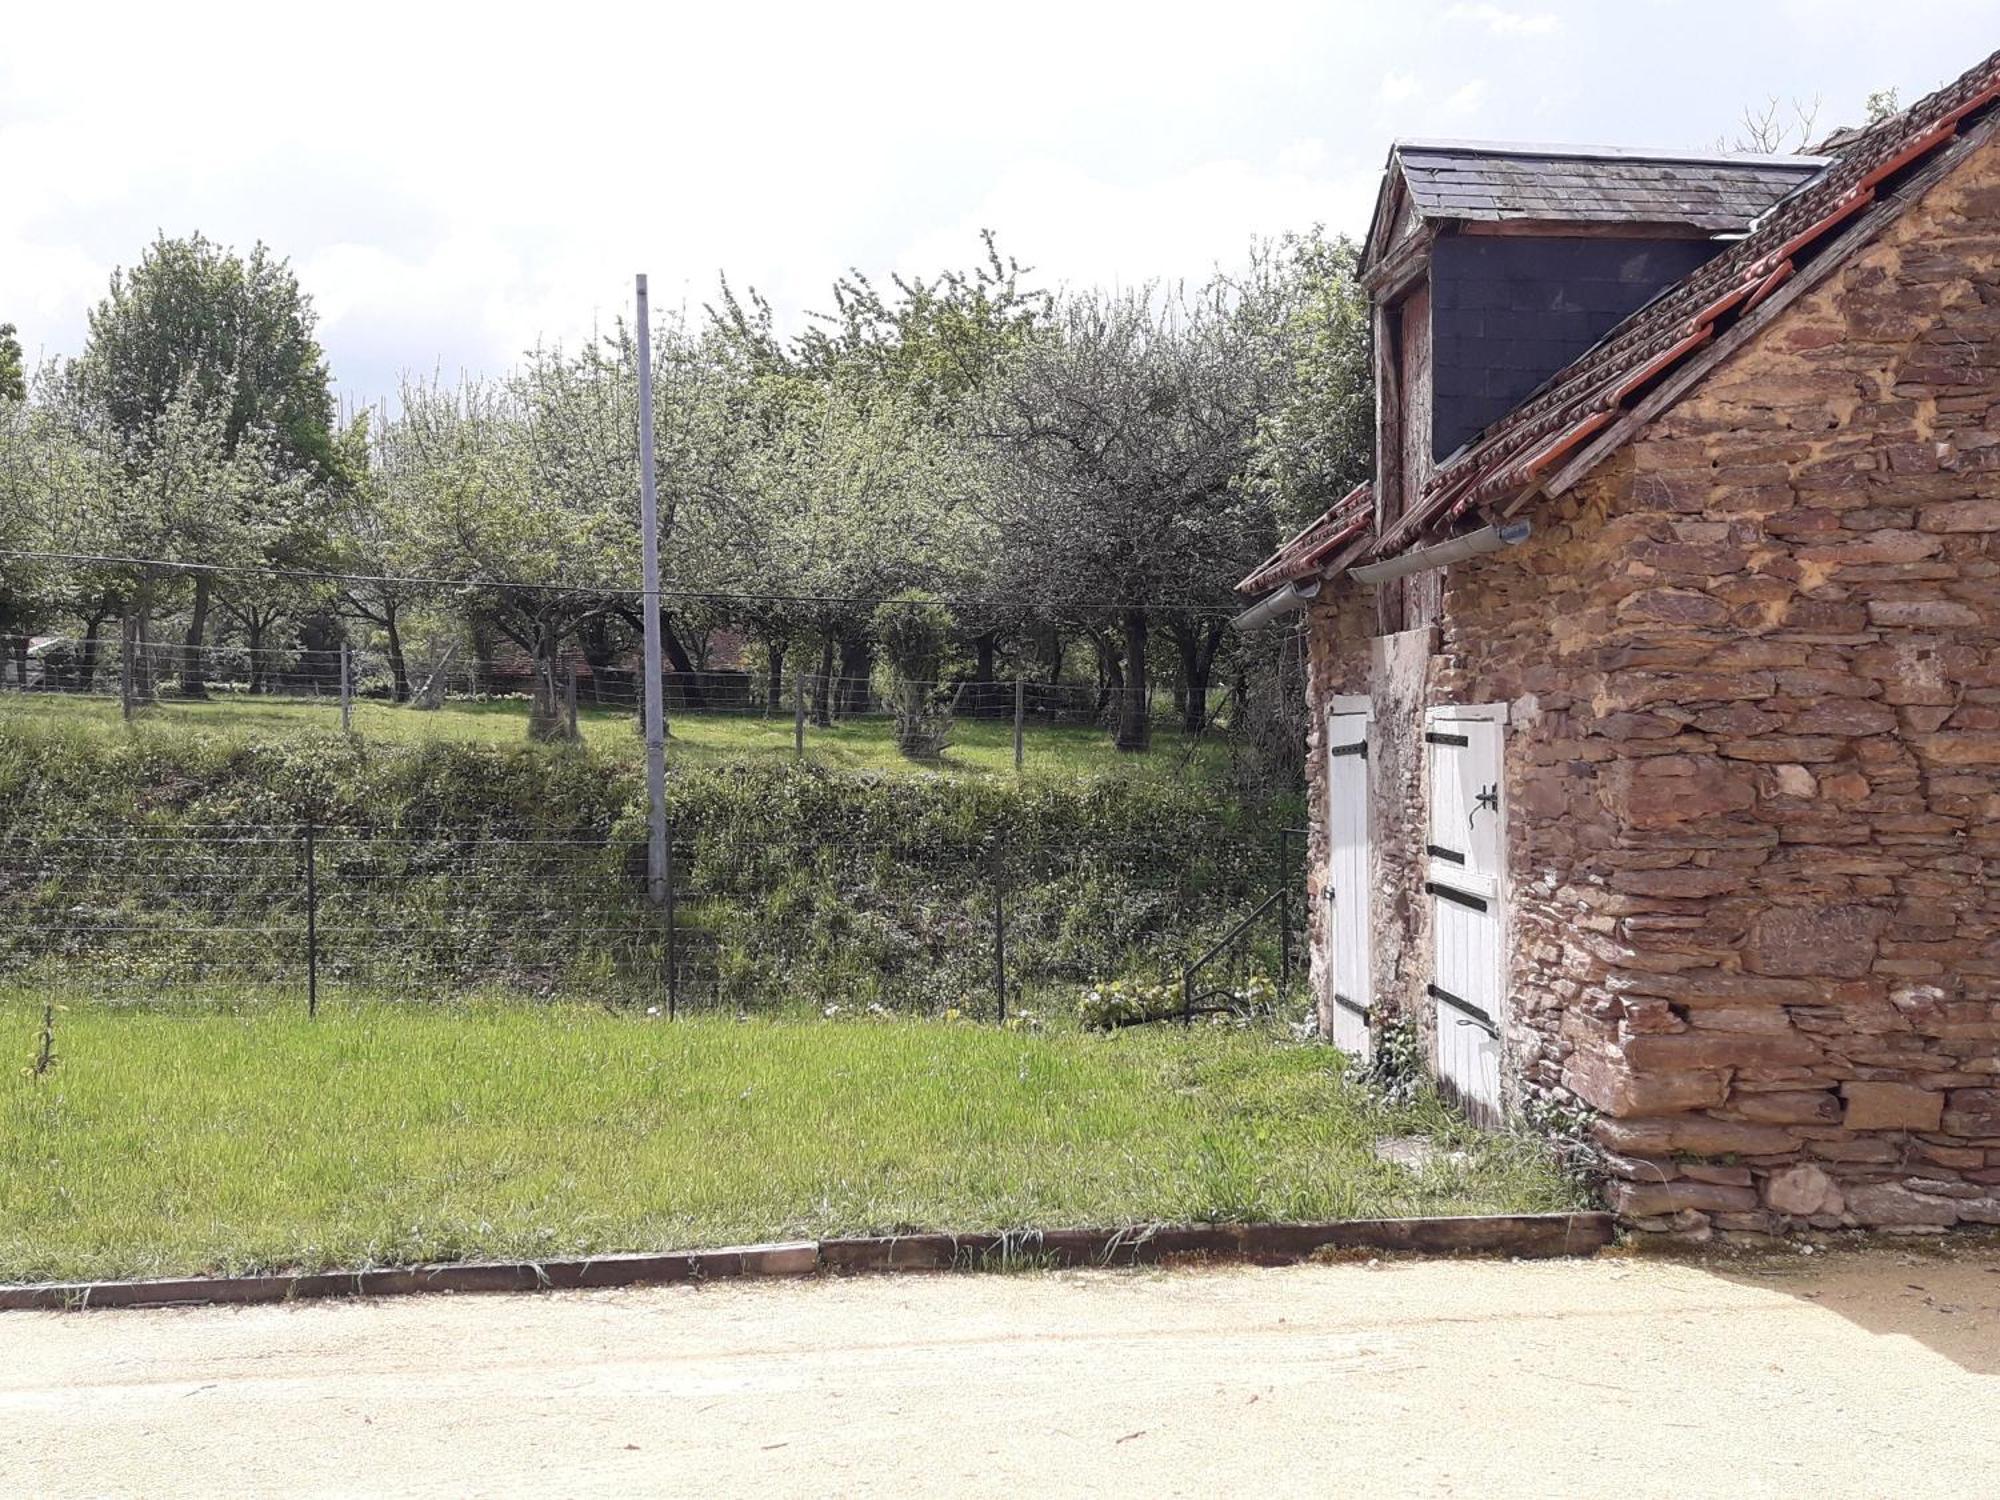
(1488, 798)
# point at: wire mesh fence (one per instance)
(569, 689)
(973, 920)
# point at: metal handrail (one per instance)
(1187, 974)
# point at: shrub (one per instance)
(914, 629)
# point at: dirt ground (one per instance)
(1873, 1374)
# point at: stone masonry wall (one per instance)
(1753, 762)
(1789, 959)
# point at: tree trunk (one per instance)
(987, 696)
(822, 708)
(593, 638)
(548, 718)
(774, 676)
(193, 683)
(1052, 654)
(857, 671)
(88, 653)
(254, 632)
(481, 664)
(399, 667)
(1198, 666)
(1135, 727)
(20, 654)
(1110, 671)
(692, 696)
(142, 639)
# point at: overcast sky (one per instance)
(453, 182)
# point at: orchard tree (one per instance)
(1118, 448)
(194, 324)
(531, 560)
(924, 347)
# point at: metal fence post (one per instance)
(128, 635)
(1020, 717)
(999, 942)
(798, 717)
(673, 942)
(312, 921)
(346, 691)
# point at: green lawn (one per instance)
(979, 746)
(238, 1138)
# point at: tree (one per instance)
(532, 557)
(1307, 318)
(13, 368)
(923, 349)
(914, 629)
(196, 325)
(186, 507)
(40, 472)
(1119, 446)
(374, 545)
(1775, 129)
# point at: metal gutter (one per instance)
(1281, 602)
(1443, 554)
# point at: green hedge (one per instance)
(172, 865)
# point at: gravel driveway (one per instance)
(1866, 1374)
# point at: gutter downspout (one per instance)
(1443, 554)
(1278, 603)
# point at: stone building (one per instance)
(1656, 681)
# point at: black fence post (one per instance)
(999, 941)
(128, 647)
(673, 944)
(1020, 722)
(312, 922)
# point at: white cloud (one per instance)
(1396, 87)
(1500, 21)
(1465, 100)
(1302, 156)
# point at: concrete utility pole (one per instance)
(658, 874)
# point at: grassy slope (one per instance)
(979, 746)
(175, 1142)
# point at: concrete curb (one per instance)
(1534, 1235)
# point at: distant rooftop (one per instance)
(1716, 193)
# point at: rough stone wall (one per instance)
(1753, 762)
(1789, 1003)
(1399, 673)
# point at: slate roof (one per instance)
(1587, 396)
(1720, 194)
(1670, 333)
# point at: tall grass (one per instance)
(980, 747)
(242, 1136)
